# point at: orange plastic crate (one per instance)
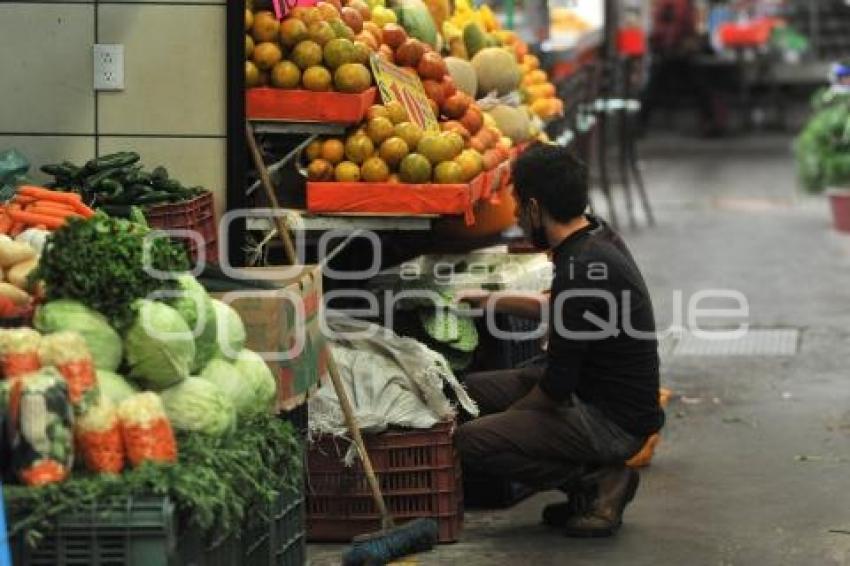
(397, 198)
(308, 106)
(420, 476)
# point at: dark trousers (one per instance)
(543, 449)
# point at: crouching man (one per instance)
(572, 424)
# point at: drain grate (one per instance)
(757, 342)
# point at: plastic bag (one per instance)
(98, 436)
(67, 351)
(13, 172)
(146, 430)
(19, 352)
(42, 421)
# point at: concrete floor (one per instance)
(754, 467)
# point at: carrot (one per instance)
(40, 227)
(83, 210)
(48, 211)
(20, 199)
(51, 204)
(5, 224)
(17, 228)
(32, 218)
(44, 194)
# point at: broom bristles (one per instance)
(419, 535)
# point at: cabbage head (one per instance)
(196, 308)
(103, 341)
(160, 347)
(197, 405)
(114, 386)
(254, 370)
(231, 331)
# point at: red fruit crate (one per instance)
(397, 198)
(420, 477)
(197, 215)
(308, 106)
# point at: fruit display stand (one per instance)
(306, 106)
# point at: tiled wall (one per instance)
(172, 110)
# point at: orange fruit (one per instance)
(327, 11)
(436, 148)
(415, 168)
(321, 32)
(359, 148)
(320, 170)
(347, 172)
(310, 16)
(333, 150)
(249, 19)
(267, 55)
(393, 179)
(393, 150)
(286, 74)
(292, 32)
(448, 172)
(266, 27)
(373, 29)
(306, 54)
(379, 129)
(341, 30)
(314, 150)
(338, 52)
(375, 111)
(352, 77)
(317, 79)
(471, 163)
(249, 46)
(361, 53)
(252, 75)
(456, 140)
(409, 132)
(374, 170)
(398, 113)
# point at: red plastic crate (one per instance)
(397, 198)
(308, 106)
(197, 215)
(420, 476)
(631, 42)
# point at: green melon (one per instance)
(414, 17)
(463, 74)
(497, 71)
(512, 122)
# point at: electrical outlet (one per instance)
(108, 67)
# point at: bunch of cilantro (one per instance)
(101, 262)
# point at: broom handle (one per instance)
(333, 370)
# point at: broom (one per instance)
(391, 541)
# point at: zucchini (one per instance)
(132, 193)
(110, 189)
(159, 174)
(153, 197)
(120, 159)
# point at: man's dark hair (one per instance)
(555, 177)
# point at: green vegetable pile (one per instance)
(218, 483)
(823, 147)
(100, 262)
(116, 182)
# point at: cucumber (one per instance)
(120, 159)
(153, 197)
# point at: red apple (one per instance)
(473, 119)
(363, 8)
(352, 19)
(394, 35)
(455, 126)
(449, 87)
(434, 90)
(455, 106)
(431, 66)
(409, 53)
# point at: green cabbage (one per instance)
(254, 370)
(195, 296)
(114, 386)
(196, 405)
(247, 382)
(160, 347)
(103, 342)
(231, 330)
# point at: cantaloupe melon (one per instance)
(497, 70)
(512, 121)
(463, 74)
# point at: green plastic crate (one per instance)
(144, 532)
(281, 541)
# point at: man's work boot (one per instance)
(616, 487)
(558, 514)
